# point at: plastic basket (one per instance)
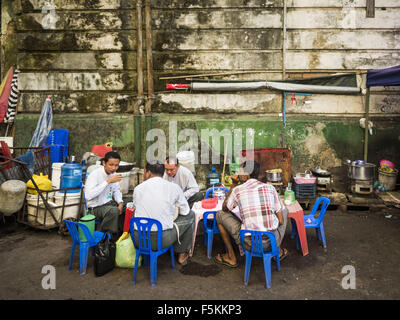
(303, 180)
(305, 190)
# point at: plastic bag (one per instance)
(104, 256)
(126, 253)
(102, 149)
(41, 181)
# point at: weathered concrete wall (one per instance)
(93, 48)
(87, 63)
(8, 50)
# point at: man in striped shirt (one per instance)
(260, 209)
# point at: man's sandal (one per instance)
(283, 255)
(184, 262)
(223, 262)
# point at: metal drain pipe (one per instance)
(149, 60)
(256, 85)
(284, 40)
(140, 96)
(150, 81)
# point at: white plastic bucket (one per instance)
(92, 168)
(187, 159)
(133, 178)
(70, 199)
(56, 174)
(140, 176)
(37, 210)
(32, 200)
(124, 184)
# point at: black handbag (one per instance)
(104, 256)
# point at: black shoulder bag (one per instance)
(104, 256)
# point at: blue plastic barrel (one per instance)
(71, 177)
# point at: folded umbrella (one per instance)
(44, 125)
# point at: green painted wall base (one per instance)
(324, 142)
(85, 130)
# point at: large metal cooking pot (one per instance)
(274, 176)
(362, 171)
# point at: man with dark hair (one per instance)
(260, 209)
(184, 178)
(159, 199)
(103, 195)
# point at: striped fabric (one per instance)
(13, 99)
(5, 93)
(257, 203)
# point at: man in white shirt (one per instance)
(184, 178)
(103, 195)
(159, 199)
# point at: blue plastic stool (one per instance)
(143, 231)
(56, 153)
(83, 246)
(58, 141)
(315, 222)
(210, 228)
(257, 250)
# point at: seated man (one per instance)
(184, 178)
(158, 199)
(103, 195)
(260, 209)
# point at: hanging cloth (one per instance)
(5, 93)
(3, 83)
(44, 126)
(13, 99)
(384, 77)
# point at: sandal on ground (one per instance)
(283, 255)
(184, 262)
(224, 262)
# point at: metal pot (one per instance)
(362, 171)
(320, 172)
(274, 176)
(125, 166)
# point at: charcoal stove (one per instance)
(362, 177)
(324, 180)
(362, 186)
(324, 184)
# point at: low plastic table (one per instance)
(198, 215)
(296, 213)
